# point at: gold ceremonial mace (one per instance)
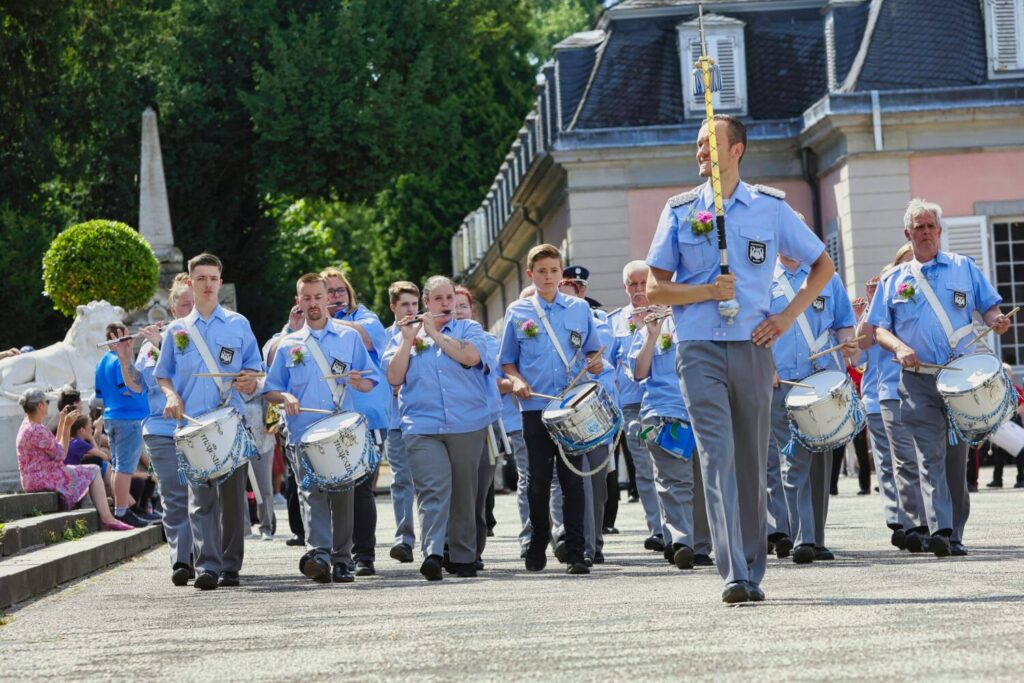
(707, 79)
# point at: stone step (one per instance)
(17, 505)
(29, 531)
(33, 573)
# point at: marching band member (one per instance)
(218, 514)
(626, 323)
(346, 310)
(669, 437)
(725, 368)
(922, 313)
(541, 334)
(158, 433)
(445, 413)
(805, 475)
(297, 380)
(404, 300)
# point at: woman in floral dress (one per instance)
(41, 460)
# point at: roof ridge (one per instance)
(850, 84)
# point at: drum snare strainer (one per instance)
(978, 396)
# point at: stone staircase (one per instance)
(37, 552)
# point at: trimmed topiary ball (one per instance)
(97, 260)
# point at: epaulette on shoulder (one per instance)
(769, 190)
(615, 311)
(684, 198)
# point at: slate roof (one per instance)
(849, 29)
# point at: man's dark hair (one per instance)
(114, 330)
(204, 259)
(68, 396)
(737, 131)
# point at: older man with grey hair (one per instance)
(922, 312)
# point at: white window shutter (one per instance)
(725, 55)
(968, 235)
(1005, 20)
(725, 45)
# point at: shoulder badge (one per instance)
(684, 198)
(769, 190)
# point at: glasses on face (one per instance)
(338, 291)
(462, 307)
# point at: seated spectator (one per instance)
(41, 460)
(83, 449)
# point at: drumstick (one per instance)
(228, 374)
(825, 352)
(580, 375)
(796, 384)
(192, 420)
(345, 376)
(933, 366)
(318, 411)
(989, 329)
(583, 394)
(547, 396)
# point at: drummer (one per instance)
(218, 514)
(536, 361)
(297, 380)
(439, 363)
(805, 475)
(915, 304)
(669, 438)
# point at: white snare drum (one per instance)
(978, 395)
(215, 448)
(1009, 437)
(583, 420)
(829, 414)
(338, 451)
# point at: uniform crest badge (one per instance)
(819, 304)
(338, 368)
(757, 252)
(226, 355)
(960, 299)
(576, 339)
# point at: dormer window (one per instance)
(1004, 36)
(724, 37)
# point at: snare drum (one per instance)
(583, 420)
(210, 451)
(827, 415)
(337, 452)
(978, 395)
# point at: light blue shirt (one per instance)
(758, 228)
(490, 364)
(878, 360)
(662, 395)
(376, 404)
(607, 377)
(629, 391)
(830, 311)
(155, 423)
(440, 395)
(119, 402)
(296, 372)
(394, 416)
(232, 346)
(535, 356)
(960, 288)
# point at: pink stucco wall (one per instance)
(645, 207)
(958, 180)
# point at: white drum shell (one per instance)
(207, 447)
(975, 392)
(824, 409)
(593, 418)
(335, 447)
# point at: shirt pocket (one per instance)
(758, 245)
(574, 336)
(227, 352)
(959, 298)
(697, 252)
(298, 372)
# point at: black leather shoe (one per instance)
(771, 547)
(561, 552)
(1019, 484)
(655, 543)
(783, 547)
(206, 581)
(536, 564)
(972, 488)
(823, 553)
(447, 564)
(431, 568)
(228, 580)
(588, 560)
(180, 574)
(296, 540)
(598, 557)
(994, 484)
(365, 568)
(401, 552)
(833, 491)
(863, 492)
(465, 571)
(735, 592)
(702, 560)
(682, 556)
(899, 538)
(315, 569)
(804, 554)
(577, 568)
(669, 555)
(478, 565)
(939, 545)
(610, 530)
(754, 592)
(957, 549)
(522, 553)
(342, 574)
(914, 542)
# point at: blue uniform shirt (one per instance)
(296, 372)
(881, 376)
(440, 395)
(758, 227)
(831, 311)
(490, 364)
(119, 402)
(376, 404)
(394, 416)
(155, 423)
(232, 345)
(662, 395)
(961, 290)
(535, 355)
(629, 391)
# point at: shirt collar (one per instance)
(742, 194)
(307, 331)
(194, 316)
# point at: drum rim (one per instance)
(808, 406)
(190, 430)
(576, 389)
(969, 390)
(359, 418)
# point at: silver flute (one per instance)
(111, 342)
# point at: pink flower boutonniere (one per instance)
(632, 327)
(665, 341)
(529, 328)
(298, 355)
(181, 340)
(702, 223)
(420, 345)
(153, 353)
(906, 291)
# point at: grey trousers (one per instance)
(445, 471)
(882, 452)
(173, 496)
(644, 468)
(329, 517)
(485, 476)
(806, 478)
(728, 390)
(821, 482)
(943, 467)
(778, 512)
(904, 464)
(219, 516)
(263, 467)
(401, 489)
(681, 492)
(595, 497)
